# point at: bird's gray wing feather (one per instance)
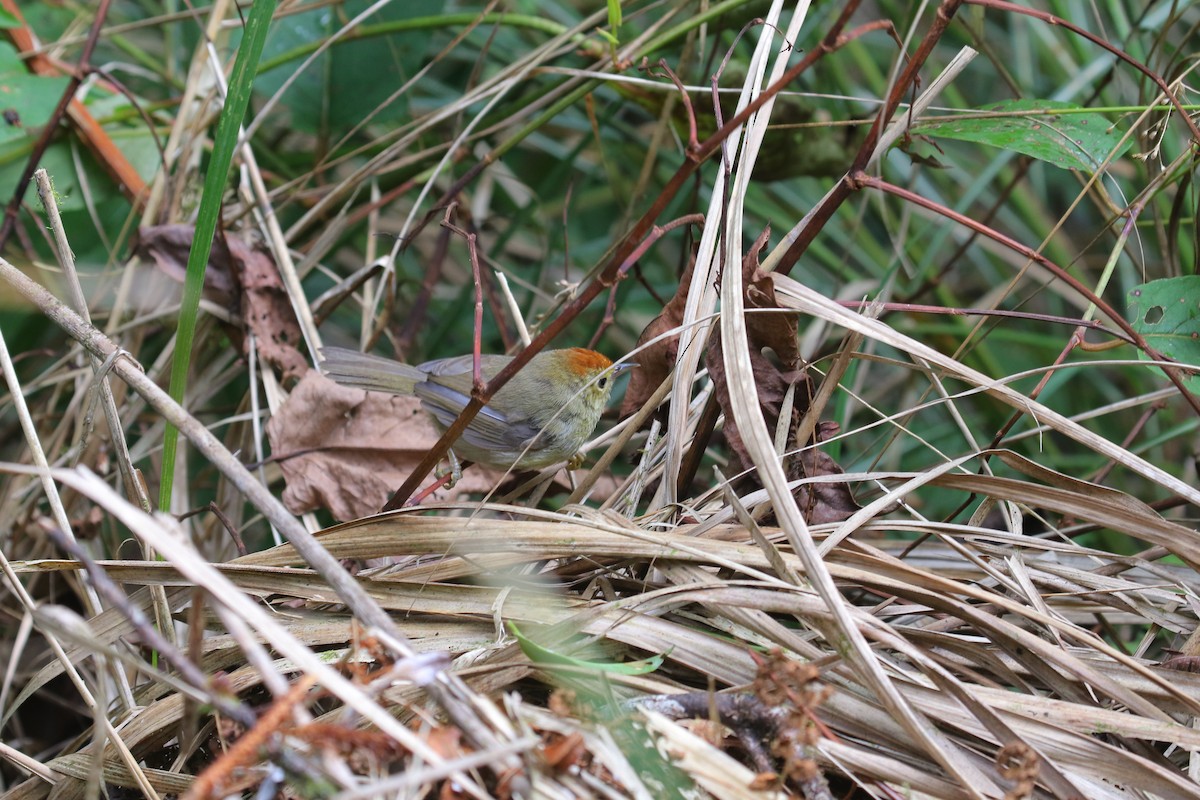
(464, 365)
(490, 430)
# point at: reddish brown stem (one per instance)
(861, 180)
(1130, 438)
(362, 212)
(1077, 340)
(477, 384)
(419, 309)
(833, 201)
(480, 398)
(693, 138)
(1037, 390)
(656, 233)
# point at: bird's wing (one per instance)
(450, 368)
(490, 430)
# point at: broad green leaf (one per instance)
(26, 100)
(1167, 313)
(26, 103)
(9, 20)
(1074, 139)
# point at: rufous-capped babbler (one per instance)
(543, 415)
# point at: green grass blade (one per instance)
(244, 70)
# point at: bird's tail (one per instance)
(363, 371)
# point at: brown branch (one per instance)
(843, 189)
(480, 398)
(419, 309)
(620, 262)
(657, 233)
(477, 384)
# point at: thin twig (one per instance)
(146, 629)
(842, 191)
(448, 691)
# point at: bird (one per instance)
(542, 416)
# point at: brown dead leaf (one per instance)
(772, 384)
(777, 331)
(168, 247)
(821, 502)
(267, 310)
(347, 450)
(1182, 664)
(239, 277)
(767, 328)
(766, 325)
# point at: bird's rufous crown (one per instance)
(586, 361)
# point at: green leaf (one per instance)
(1167, 313)
(9, 20)
(614, 14)
(28, 100)
(208, 216)
(26, 103)
(1074, 139)
(608, 37)
(544, 655)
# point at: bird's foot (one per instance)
(455, 472)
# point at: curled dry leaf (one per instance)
(243, 279)
(167, 246)
(821, 502)
(767, 328)
(347, 450)
(766, 324)
(775, 330)
(268, 312)
(772, 383)
(655, 361)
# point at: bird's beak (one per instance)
(620, 368)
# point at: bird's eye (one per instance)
(602, 382)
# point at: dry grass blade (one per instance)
(770, 584)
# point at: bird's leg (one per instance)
(456, 470)
(575, 461)
(445, 480)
